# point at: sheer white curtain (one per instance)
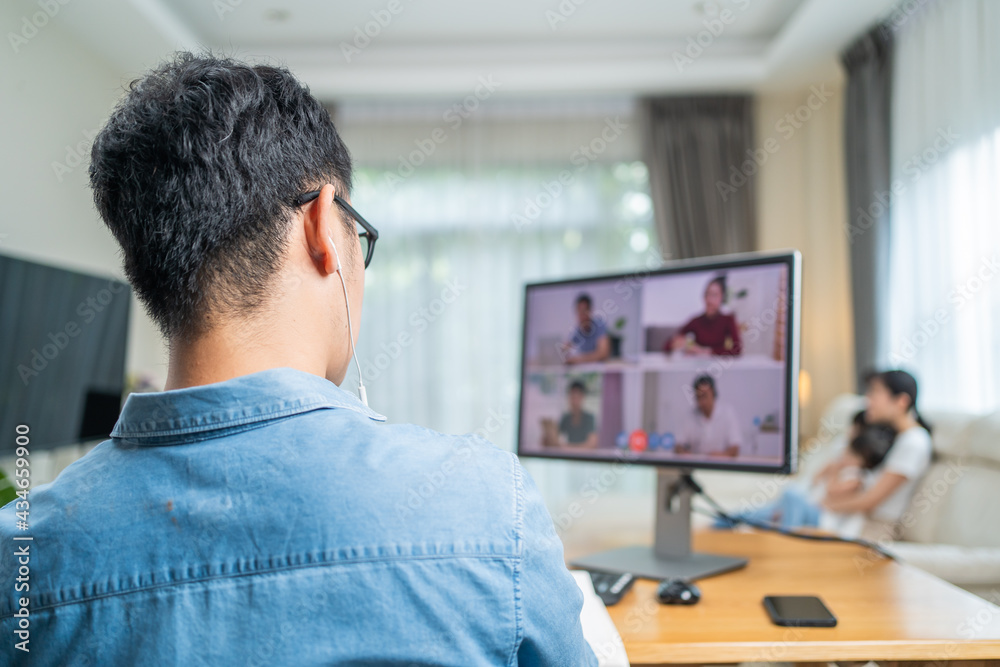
(944, 314)
(441, 328)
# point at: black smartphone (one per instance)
(803, 611)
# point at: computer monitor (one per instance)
(693, 365)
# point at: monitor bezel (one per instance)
(792, 259)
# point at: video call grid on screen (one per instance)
(630, 385)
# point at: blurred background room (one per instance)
(498, 144)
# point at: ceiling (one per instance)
(440, 48)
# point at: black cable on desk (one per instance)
(775, 528)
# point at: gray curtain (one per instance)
(699, 151)
(868, 62)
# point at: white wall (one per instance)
(56, 96)
(801, 204)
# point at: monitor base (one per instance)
(643, 562)
(671, 556)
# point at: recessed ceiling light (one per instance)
(709, 8)
(277, 15)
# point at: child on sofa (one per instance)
(850, 473)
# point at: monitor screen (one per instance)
(62, 353)
(693, 365)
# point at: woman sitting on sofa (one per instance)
(883, 498)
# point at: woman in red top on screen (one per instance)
(712, 332)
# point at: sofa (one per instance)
(952, 527)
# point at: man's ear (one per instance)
(318, 219)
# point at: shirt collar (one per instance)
(237, 402)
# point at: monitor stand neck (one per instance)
(673, 514)
(671, 555)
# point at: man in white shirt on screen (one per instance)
(713, 428)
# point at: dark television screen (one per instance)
(62, 353)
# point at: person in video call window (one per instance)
(712, 332)
(713, 429)
(578, 428)
(254, 488)
(589, 341)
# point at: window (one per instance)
(441, 327)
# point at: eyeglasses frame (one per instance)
(370, 231)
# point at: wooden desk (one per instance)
(886, 611)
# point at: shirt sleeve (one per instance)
(910, 454)
(600, 329)
(549, 598)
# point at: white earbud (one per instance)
(362, 394)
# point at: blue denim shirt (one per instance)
(585, 339)
(273, 519)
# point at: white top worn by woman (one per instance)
(909, 456)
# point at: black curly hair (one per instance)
(195, 174)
